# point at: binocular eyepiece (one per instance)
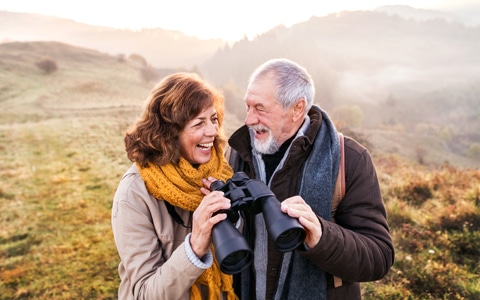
(250, 196)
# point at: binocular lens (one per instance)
(231, 249)
(290, 239)
(286, 231)
(236, 262)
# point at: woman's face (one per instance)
(196, 139)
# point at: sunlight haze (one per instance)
(229, 20)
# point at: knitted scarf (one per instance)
(179, 184)
(299, 278)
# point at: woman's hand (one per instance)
(204, 220)
(296, 207)
(207, 182)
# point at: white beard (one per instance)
(268, 146)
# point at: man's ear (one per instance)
(299, 109)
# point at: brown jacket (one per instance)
(359, 247)
(150, 243)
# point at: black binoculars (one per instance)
(252, 197)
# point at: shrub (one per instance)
(421, 151)
(474, 150)
(121, 58)
(416, 191)
(140, 60)
(47, 65)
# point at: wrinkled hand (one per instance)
(204, 220)
(296, 207)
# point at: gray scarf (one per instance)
(299, 278)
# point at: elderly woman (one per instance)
(162, 221)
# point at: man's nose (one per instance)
(251, 118)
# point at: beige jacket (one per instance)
(154, 264)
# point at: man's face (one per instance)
(271, 123)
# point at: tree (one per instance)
(47, 65)
(137, 58)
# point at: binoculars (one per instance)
(251, 197)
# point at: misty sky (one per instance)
(230, 20)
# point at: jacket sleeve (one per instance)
(358, 247)
(148, 269)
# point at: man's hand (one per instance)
(296, 207)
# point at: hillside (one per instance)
(87, 85)
(412, 74)
(87, 82)
(161, 48)
(406, 76)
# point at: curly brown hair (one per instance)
(176, 100)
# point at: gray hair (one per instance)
(292, 81)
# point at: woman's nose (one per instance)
(212, 129)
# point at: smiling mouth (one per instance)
(261, 131)
(205, 146)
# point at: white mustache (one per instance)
(259, 127)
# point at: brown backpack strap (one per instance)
(339, 192)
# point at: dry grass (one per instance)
(56, 240)
(61, 158)
(434, 218)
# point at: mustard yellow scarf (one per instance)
(179, 184)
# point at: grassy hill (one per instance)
(62, 156)
(86, 81)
